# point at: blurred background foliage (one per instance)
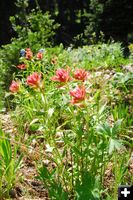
(76, 17)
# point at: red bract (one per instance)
(39, 55)
(80, 74)
(14, 87)
(21, 66)
(28, 54)
(78, 94)
(34, 80)
(62, 75)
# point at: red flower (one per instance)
(21, 66)
(62, 75)
(28, 54)
(78, 94)
(34, 80)
(39, 55)
(14, 87)
(80, 74)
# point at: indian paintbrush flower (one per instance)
(28, 54)
(80, 74)
(34, 80)
(39, 56)
(78, 94)
(62, 75)
(14, 87)
(21, 66)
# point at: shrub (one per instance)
(38, 29)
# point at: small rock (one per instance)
(13, 193)
(128, 67)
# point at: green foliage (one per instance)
(130, 47)
(35, 28)
(110, 134)
(93, 21)
(9, 165)
(89, 39)
(38, 29)
(123, 81)
(122, 111)
(104, 55)
(105, 17)
(54, 188)
(85, 17)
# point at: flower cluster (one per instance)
(34, 81)
(63, 76)
(28, 54)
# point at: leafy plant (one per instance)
(54, 188)
(9, 165)
(123, 81)
(111, 133)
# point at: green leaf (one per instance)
(114, 145)
(50, 112)
(44, 173)
(34, 121)
(102, 109)
(86, 189)
(76, 151)
(34, 127)
(104, 129)
(116, 127)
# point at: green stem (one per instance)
(72, 173)
(37, 5)
(115, 171)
